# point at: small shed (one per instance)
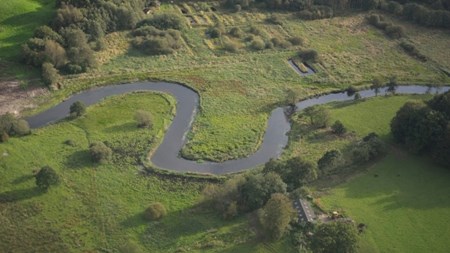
(304, 211)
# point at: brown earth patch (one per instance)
(14, 98)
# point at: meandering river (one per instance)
(167, 155)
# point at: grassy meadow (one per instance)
(405, 206)
(99, 207)
(401, 198)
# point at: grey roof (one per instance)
(304, 210)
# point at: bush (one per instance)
(236, 32)
(338, 128)
(215, 32)
(296, 41)
(395, 7)
(4, 137)
(50, 75)
(351, 90)
(257, 44)
(275, 19)
(20, 128)
(153, 41)
(231, 211)
(164, 21)
(100, 153)
(6, 122)
(357, 96)
(277, 42)
(46, 177)
(330, 160)
(309, 55)
(155, 211)
(371, 147)
(231, 46)
(77, 109)
(412, 50)
(144, 119)
(395, 31)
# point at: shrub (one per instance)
(330, 160)
(369, 148)
(143, 119)
(20, 127)
(351, 90)
(306, 15)
(155, 211)
(257, 44)
(275, 19)
(77, 109)
(231, 46)
(4, 137)
(215, 32)
(236, 32)
(46, 177)
(296, 41)
(395, 7)
(277, 42)
(100, 152)
(309, 55)
(395, 31)
(231, 211)
(164, 21)
(338, 128)
(412, 50)
(153, 41)
(50, 75)
(237, 8)
(357, 96)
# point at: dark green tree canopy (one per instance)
(46, 177)
(334, 237)
(258, 188)
(77, 109)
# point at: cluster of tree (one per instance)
(436, 15)
(425, 127)
(393, 31)
(264, 192)
(78, 28)
(159, 34)
(334, 237)
(12, 126)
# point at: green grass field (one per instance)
(405, 208)
(99, 207)
(18, 19)
(406, 205)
